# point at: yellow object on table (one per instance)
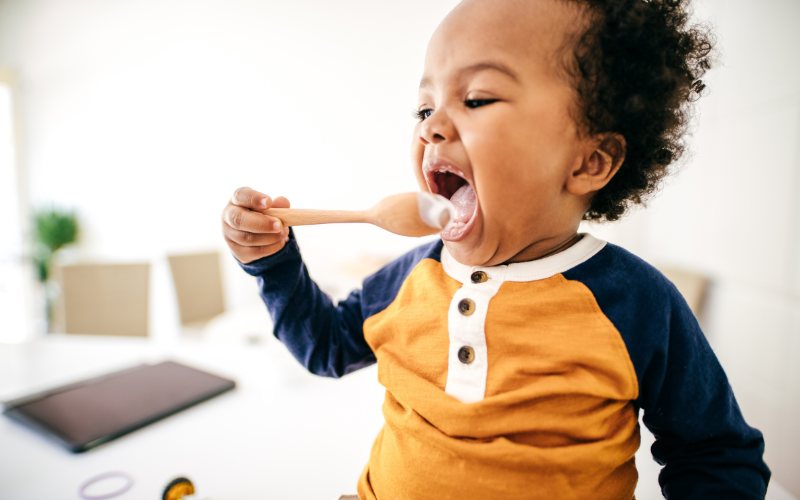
(178, 488)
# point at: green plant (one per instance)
(53, 228)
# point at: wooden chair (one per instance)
(103, 299)
(198, 286)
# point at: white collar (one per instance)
(533, 270)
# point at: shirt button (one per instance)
(466, 307)
(479, 277)
(466, 354)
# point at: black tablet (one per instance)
(90, 413)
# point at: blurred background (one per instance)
(132, 122)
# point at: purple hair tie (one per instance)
(100, 477)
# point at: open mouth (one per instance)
(445, 180)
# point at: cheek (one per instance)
(522, 149)
(507, 162)
(518, 169)
(536, 140)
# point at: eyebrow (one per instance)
(476, 68)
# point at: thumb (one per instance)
(280, 202)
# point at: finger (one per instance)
(280, 202)
(250, 254)
(252, 222)
(250, 198)
(246, 239)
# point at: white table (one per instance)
(281, 434)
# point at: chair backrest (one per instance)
(104, 299)
(198, 286)
(692, 286)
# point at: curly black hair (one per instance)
(636, 69)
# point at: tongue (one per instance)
(464, 202)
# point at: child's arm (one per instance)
(706, 447)
(702, 439)
(327, 339)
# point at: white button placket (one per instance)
(466, 381)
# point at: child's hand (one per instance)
(250, 234)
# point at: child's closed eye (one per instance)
(422, 114)
(477, 103)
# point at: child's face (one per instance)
(498, 136)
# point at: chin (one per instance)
(471, 254)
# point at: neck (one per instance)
(547, 247)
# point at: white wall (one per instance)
(146, 114)
(15, 296)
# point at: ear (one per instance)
(601, 162)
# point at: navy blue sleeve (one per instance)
(326, 338)
(706, 447)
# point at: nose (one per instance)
(437, 128)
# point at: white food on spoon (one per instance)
(433, 209)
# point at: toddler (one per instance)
(516, 352)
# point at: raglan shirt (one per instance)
(524, 380)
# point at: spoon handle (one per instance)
(306, 217)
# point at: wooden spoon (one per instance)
(406, 214)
